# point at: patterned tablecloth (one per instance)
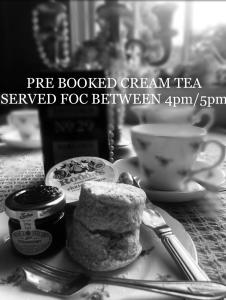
(205, 219)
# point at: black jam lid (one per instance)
(38, 198)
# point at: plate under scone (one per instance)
(154, 263)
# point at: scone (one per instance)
(106, 225)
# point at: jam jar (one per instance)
(37, 220)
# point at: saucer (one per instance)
(14, 139)
(193, 190)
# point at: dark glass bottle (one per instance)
(74, 129)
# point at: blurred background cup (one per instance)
(26, 122)
(162, 113)
(167, 152)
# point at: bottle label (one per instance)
(31, 242)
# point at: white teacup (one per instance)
(162, 113)
(26, 122)
(166, 153)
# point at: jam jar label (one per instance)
(31, 242)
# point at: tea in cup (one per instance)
(167, 152)
(162, 113)
(26, 122)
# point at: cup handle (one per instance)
(216, 163)
(205, 111)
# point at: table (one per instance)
(205, 219)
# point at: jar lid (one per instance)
(44, 200)
(70, 174)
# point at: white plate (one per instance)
(156, 264)
(193, 191)
(13, 139)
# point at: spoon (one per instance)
(127, 178)
(210, 186)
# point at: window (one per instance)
(207, 14)
(193, 22)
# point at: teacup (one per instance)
(162, 113)
(166, 153)
(26, 121)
